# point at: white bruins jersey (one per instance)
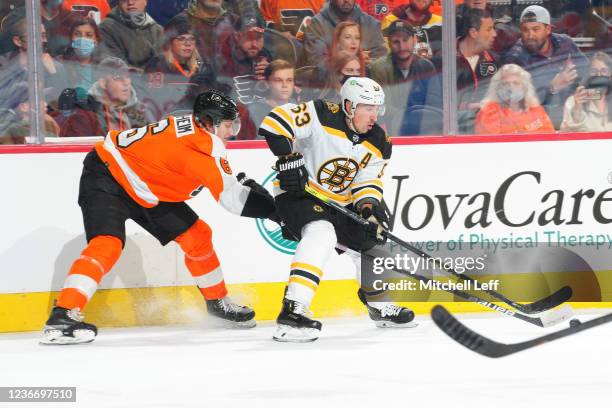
(341, 164)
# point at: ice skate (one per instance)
(66, 326)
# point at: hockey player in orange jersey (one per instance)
(146, 175)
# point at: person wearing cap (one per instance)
(212, 23)
(318, 35)
(129, 33)
(168, 76)
(553, 60)
(407, 78)
(426, 25)
(113, 99)
(476, 64)
(242, 59)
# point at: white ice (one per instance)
(353, 364)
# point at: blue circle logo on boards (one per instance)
(271, 231)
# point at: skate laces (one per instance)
(75, 314)
(229, 306)
(390, 309)
(301, 309)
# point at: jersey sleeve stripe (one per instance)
(273, 126)
(365, 187)
(369, 192)
(279, 110)
(373, 149)
(374, 182)
(283, 121)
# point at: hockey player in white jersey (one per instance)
(341, 152)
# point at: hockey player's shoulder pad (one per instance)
(329, 114)
(378, 138)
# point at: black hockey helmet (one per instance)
(214, 106)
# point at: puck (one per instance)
(575, 322)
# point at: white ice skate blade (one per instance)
(55, 337)
(383, 324)
(288, 334)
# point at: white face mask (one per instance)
(508, 95)
(137, 17)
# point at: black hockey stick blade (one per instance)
(489, 348)
(554, 300)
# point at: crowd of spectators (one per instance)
(521, 67)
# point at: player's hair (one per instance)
(531, 98)
(277, 65)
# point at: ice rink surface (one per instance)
(353, 364)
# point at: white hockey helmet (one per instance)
(361, 90)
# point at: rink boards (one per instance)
(476, 192)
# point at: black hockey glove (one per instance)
(292, 174)
(260, 203)
(379, 222)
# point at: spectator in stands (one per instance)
(343, 67)
(476, 64)
(408, 79)
(15, 126)
(428, 27)
(56, 21)
(94, 9)
(169, 75)
(590, 108)
(114, 102)
(212, 23)
(347, 39)
(82, 54)
(379, 9)
(553, 60)
(511, 105)
(14, 65)
(76, 117)
(280, 77)
(289, 16)
(242, 60)
(129, 33)
(318, 35)
(9, 14)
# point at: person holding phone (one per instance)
(588, 109)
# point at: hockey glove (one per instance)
(292, 174)
(379, 222)
(260, 203)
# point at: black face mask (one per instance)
(598, 82)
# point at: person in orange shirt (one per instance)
(511, 105)
(147, 174)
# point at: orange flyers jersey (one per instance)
(288, 15)
(171, 160)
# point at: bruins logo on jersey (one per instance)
(333, 107)
(337, 174)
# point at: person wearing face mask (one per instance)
(511, 105)
(129, 33)
(82, 54)
(589, 109)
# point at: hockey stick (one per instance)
(551, 318)
(548, 302)
(547, 319)
(487, 347)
